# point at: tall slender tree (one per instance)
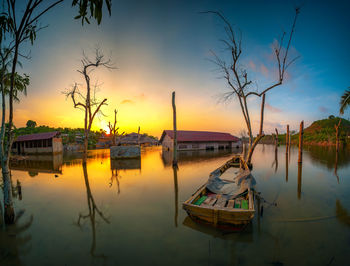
(87, 100)
(345, 101)
(238, 79)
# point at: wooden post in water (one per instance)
(175, 131)
(287, 139)
(276, 138)
(301, 133)
(138, 136)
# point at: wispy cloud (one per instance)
(323, 109)
(127, 101)
(272, 109)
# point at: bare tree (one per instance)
(113, 130)
(87, 101)
(238, 79)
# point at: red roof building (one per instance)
(199, 140)
(47, 142)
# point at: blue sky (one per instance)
(161, 46)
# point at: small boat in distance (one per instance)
(224, 201)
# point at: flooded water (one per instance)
(129, 212)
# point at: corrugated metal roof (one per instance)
(45, 135)
(197, 136)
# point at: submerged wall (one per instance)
(125, 152)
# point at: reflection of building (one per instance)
(196, 156)
(126, 164)
(199, 140)
(35, 164)
(48, 142)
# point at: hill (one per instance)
(320, 132)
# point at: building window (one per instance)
(195, 146)
(49, 143)
(182, 146)
(221, 147)
(209, 147)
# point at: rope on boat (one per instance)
(311, 219)
(257, 194)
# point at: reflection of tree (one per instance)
(286, 167)
(176, 192)
(275, 162)
(300, 169)
(326, 156)
(342, 214)
(116, 177)
(12, 244)
(336, 166)
(93, 209)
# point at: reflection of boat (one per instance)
(222, 231)
(222, 201)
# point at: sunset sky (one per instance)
(162, 46)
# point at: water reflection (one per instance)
(36, 164)
(328, 157)
(287, 167)
(13, 244)
(300, 170)
(188, 157)
(275, 162)
(93, 209)
(176, 193)
(342, 214)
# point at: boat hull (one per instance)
(219, 215)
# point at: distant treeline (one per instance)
(320, 132)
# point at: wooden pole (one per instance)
(276, 139)
(175, 131)
(287, 139)
(138, 136)
(301, 133)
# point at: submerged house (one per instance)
(199, 140)
(48, 142)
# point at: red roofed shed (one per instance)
(199, 140)
(47, 142)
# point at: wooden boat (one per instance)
(220, 209)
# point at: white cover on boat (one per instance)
(241, 182)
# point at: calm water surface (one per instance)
(130, 213)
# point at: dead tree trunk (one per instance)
(261, 133)
(237, 77)
(175, 131)
(301, 133)
(89, 100)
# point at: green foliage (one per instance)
(344, 102)
(95, 8)
(31, 123)
(319, 132)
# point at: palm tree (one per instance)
(345, 101)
